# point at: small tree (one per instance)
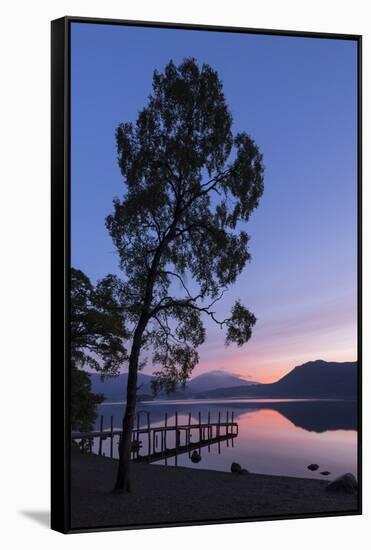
(83, 401)
(189, 185)
(97, 333)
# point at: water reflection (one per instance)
(275, 437)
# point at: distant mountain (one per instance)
(216, 379)
(315, 379)
(114, 388)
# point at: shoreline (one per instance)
(217, 400)
(168, 494)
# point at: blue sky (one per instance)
(297, 98)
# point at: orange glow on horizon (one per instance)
(267, 369)
(267, 358)
(279, 343)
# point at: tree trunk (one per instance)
(123, 482)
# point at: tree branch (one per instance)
(206, 187)
(189, 303)
(167, 331)
(181, 280)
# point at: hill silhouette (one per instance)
(114, 388)
(315, 379)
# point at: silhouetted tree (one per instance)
(189, 184)
(97, 333)
(83, 401)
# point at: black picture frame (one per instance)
(60, 262)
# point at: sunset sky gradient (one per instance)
(297, 98)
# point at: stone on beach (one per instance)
(346, 483)
(313, 467)
(195, 457)
(235, 468)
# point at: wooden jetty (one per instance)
(161, 442)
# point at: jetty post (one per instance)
(189, 434)
(176, 438)
(209, 429)
(149, 435)
(177, 433)
(218, 432)
(162, 441)
(165, 437)
(111, 438)
(101, 437)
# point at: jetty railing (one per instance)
(161, 442)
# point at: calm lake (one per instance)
(277, 436)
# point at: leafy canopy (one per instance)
(97, 326)
(83, 401)
(191, 185)
(97, 333)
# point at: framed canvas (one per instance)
(206, 274)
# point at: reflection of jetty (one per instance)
(160, 442)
